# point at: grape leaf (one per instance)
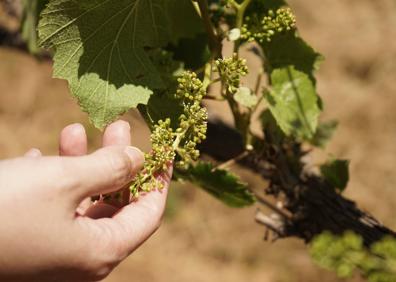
(101, 49)
(245, 97)
(336, 172)
(269, 124)
(193, 52)
(221, 184)
(184, 20)
(293, 102)
(293, 99)
(290, 49)
(164, 104)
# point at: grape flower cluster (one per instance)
(275, 22)
(178, 144)
(230, 71)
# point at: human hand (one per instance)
(43, 235)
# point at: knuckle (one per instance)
(64, 169)
(120, 167)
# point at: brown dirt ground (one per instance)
(200, 239)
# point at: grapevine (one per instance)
(263, 30)
(168, 143)
(165, 65)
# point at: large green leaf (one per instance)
(220, 183)
(193, 52)
(290, 49)
(101, 48)
(293, 99)
(184, 20)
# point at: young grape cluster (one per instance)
(230, 71)
(275, 22)
(178, 144)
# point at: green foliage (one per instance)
(101, 48)
(193, 52)
(220, 183)
(293, 99)
(290, 63)
(346, 254)
(336, 172)
(303, 57)
(184, 20)
(293, 102)
(120, 54)
(180, 143)
(164, 104)
(268, 123)
(245, 97)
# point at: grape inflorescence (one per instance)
(275, 22)
(178, 144)
(230, 71)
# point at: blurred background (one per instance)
(201, 240)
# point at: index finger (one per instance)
(117, 133)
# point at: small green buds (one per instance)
(231, 70)
(190, 88)
(180, 143)
(280, 21)
(193, 122)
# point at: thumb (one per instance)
(105, 171)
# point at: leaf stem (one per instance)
(207, 74)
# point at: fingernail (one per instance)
(136, 156)
(74, 128)
(121, 123)
(33, 153)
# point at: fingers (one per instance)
(33, 153)
(104, 171)
(117, 133)
(73, 141)
(129, 228)
(139, 220)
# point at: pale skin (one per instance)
(47, 226)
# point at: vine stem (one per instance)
(240, 13)
(214, 40)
